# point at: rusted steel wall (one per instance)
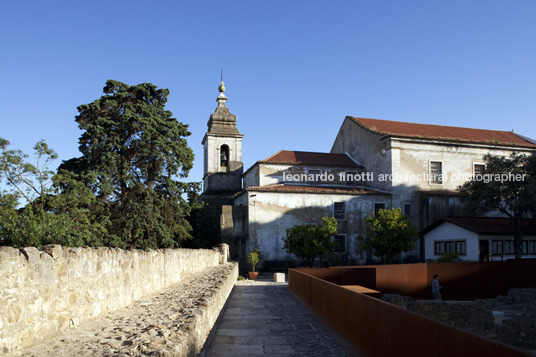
(404, 279)
(380, 329)
(363, 276)
(460, 281)
(481, 280)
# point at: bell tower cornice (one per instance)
(222, 122)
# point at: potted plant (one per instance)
(254, 257)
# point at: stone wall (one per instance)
(510, 319)
(464, 314)
(52, 288)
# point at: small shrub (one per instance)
(254, 257)
(449, 258)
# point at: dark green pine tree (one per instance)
(135, 152)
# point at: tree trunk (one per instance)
(518, 237)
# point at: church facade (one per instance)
(373, 164)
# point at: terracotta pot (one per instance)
(253, 275)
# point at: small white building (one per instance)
(476, 239)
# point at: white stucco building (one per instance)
(293, 187)
(426, 163)
(373, 164)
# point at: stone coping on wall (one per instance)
(50, 289)
(174, 322)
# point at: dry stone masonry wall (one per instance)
(510, 319)
(173, 322)
(43, 291)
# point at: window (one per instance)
(339, 210)
(313, 176)
(224, 155)
(509, 247)
(351, 177)
(525, 247)
(532, 247)
(450, 246)
(407, 209)
(496, 247)
(439, 248)
(377, 207)
(461, 247)
(341, 239)
(479, 169)
(436, 172)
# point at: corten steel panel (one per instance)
(344, 275)
(404, 279)
(467, 281)
(321, 297)
(363, 322)
(380, 329)
(410, 334)
(351, 276)
(521, 273)
(355, 316)
(460, 281)
(318, 294)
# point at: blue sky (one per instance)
(293, 69)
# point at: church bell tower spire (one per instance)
(222, 145)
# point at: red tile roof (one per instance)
(441, 132)
(439, 192)
(310, 158)
(315, 189)
(483, 225)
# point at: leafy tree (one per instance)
(43, 216)
(309, 242)
(203, 220)
(388, 233)
(133, 153)
(29, 182)
(74, 202)
(30, 186)
(499, 189)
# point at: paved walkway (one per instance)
(265, 319)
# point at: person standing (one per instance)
(436, 287)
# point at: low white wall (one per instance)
(53, 288)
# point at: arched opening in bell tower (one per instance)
(224, 155)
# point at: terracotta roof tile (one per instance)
(315, 189)
(451, 133)
(310, 158)
(483, 225)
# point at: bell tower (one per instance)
(222, 146)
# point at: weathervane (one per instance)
(221, 88)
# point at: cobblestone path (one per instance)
(266, 319)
